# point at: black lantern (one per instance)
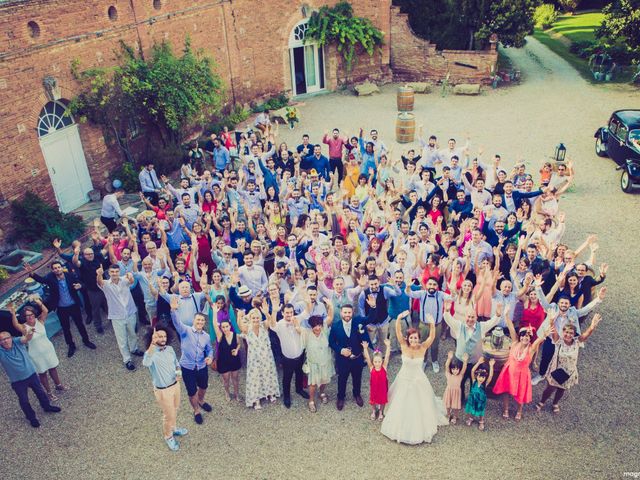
(561, 151)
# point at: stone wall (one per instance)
(415, 59)
(247, 38)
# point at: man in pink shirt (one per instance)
(335, 142)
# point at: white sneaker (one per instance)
(537, 378)
(436, 367)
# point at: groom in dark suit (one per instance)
(345, 339)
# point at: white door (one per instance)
(307, 62)
(67, 167)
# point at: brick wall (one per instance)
(415, 59)
(247, 38)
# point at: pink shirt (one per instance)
(335, 145)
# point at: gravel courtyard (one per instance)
(110, 424)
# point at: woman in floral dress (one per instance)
(262, 378)
(562, 373)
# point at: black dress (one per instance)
(226, 361)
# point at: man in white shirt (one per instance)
(111, 209)
(292, 353)
(121, 310)
(253, 276)
(469, 335)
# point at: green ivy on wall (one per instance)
(338, 25)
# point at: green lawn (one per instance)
(579, 27)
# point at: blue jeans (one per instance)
(22, 387)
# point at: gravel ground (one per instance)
(110, 425)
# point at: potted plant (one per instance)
(292, 116)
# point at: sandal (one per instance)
(454, 420)
(374, 415)
(271, 399)
(324, 399)
(539, 406)
(312, 407)
(380, 417)
(469, 421)
(518, 416)
(556, 408)
(62, 388)
(257, 406)
(481, 425)
(505, 414)
(52, 396)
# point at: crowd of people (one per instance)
(266, 257)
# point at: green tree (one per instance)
(468, 24)
(621, 26)
(511, 20)
(166, 93)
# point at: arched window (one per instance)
(53, 117)
(298, 33)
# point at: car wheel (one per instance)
(600, 148)
(625, 182)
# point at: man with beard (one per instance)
(431, 304)
(374, 303)
(163, 364)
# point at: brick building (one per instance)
(257, 46)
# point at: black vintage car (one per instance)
(620, 141)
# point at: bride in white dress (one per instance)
(414, 412)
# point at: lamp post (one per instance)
(561, 152)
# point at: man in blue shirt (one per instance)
(163, 364)
(22, 374)
(149, 183)
(316, 161)
(197, 355)
(220, 155)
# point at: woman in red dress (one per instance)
(532, 313)
(515, 378)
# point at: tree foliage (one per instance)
(166, 92)
(468, 24)
(338, 25)
(621, 26)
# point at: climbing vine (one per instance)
(338, 25)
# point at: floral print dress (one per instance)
(262, 377)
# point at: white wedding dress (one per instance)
(414, 412)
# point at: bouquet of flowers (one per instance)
(292, 116)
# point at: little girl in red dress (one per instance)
(378, 384)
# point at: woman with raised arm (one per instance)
(262, 377)
(515, 378)
(228, 358)
(319, 359)
(414, 412)
(41, 350)
(562, 373)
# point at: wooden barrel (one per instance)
(405, 99)
(500, 356)
(405, 127)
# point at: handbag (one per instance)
(305, 367)
(560, 375)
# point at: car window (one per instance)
(634, 140)
(613, 126)
(621, 132)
